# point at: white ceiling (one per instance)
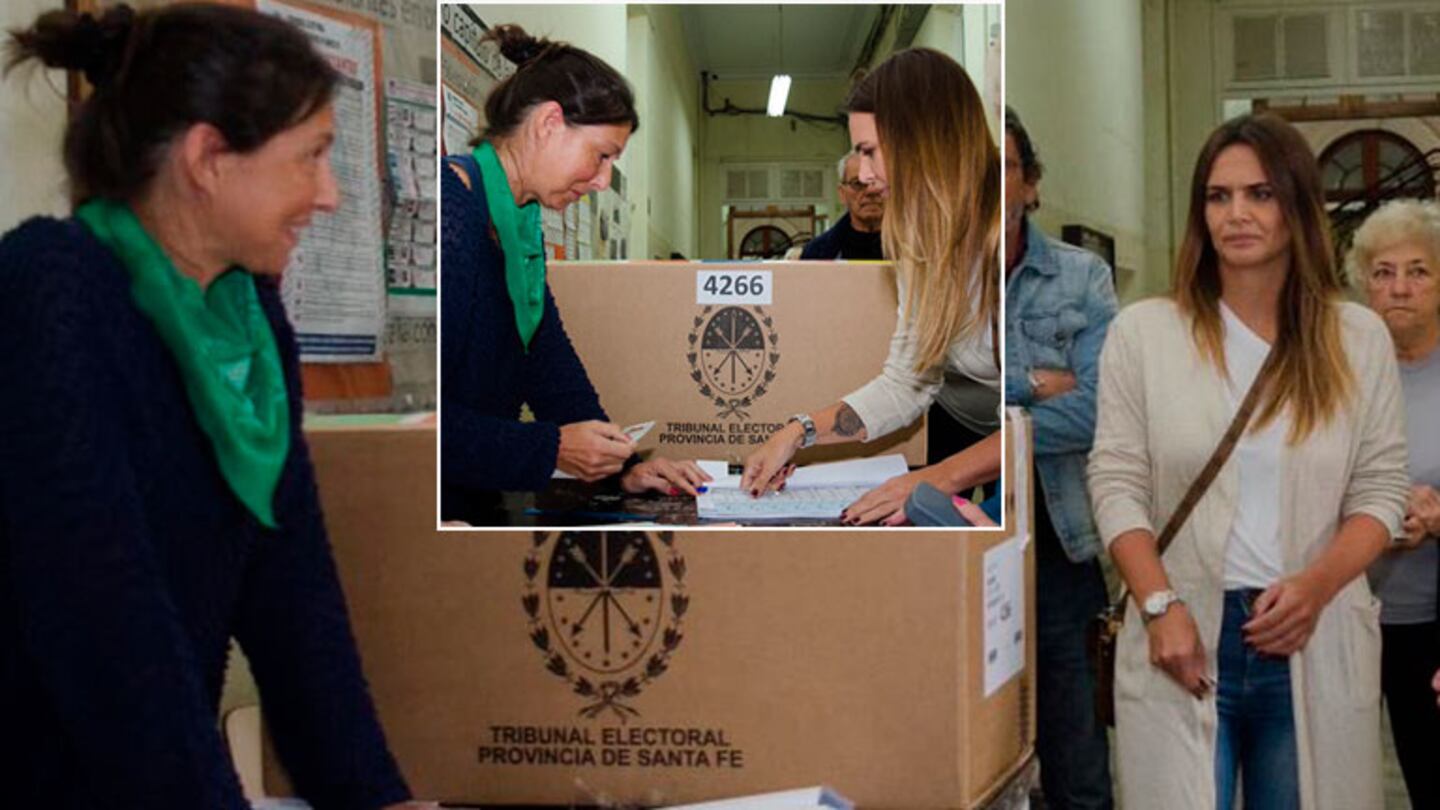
(743, 41)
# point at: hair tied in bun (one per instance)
(517, 46)
(527, 52)
(100, 44)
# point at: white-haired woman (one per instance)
(1395, 260)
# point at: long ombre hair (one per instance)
(1313, 376)
(942, 218)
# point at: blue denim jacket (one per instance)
(1058, 305)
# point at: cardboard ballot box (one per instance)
(651, 668)
(721, 354)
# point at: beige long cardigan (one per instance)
(1162, 409)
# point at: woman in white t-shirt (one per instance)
(919, 127)
(1249, 658)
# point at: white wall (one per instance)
(964, 33)
(599, 28)
(32, 124)
(664, 191)
(1075, 74)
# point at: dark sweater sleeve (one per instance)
(481, 450)
(294, 628)
(557, 387)
(95, 614)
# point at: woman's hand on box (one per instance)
(665, 476)
(593, 450)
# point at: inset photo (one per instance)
(721, 265)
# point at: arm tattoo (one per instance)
(847, 422)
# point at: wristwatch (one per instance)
(1157, 603)
(808, 425)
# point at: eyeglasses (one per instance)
(1418, 276)
(855, 185)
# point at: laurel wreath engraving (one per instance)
(734, 406)
(607, 695)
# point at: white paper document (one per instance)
(1004, 573)
(818, 796)
(817, 491)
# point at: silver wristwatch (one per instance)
(808, 425)
(1157, 603)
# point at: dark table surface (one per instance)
(574, 503)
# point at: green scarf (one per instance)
(224, 348)
(521, 239)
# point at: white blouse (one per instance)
(899, 395)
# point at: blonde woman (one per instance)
(1250, 654)
(919, 127)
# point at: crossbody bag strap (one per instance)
(1212, 467)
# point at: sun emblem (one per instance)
(732, 356)
(605, 610)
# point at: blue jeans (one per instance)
(1255, 742)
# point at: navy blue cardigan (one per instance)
(126, 565)
(485, 371)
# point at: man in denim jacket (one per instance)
(1059, 301)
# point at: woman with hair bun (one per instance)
(156, 494)
(554, 131)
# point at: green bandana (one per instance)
(224, 347)
(521, 239)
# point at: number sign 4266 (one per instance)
(733, 287)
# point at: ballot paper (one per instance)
(817, 491)
(818, 796)
(637, 432)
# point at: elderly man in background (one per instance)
(857, 234)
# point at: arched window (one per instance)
(1354, 167)
(764, 242)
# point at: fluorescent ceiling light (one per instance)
(779, 92)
